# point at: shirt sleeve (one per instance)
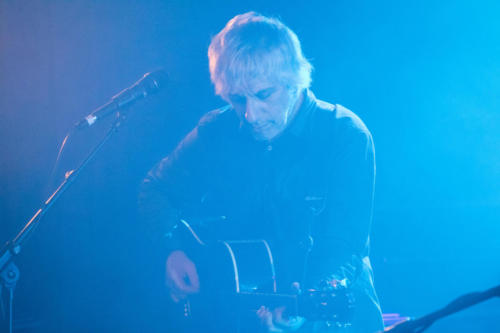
(170, 188)
(175, 188)
(341, 232)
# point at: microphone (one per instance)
(150, 83)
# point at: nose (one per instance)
(251, 111)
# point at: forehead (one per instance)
(251, 86)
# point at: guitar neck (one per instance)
(250, 300)
(312, 305)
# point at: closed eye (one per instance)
(265, 93)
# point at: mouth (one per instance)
(263, 132)
(260, 131)
(261, 127)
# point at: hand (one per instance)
(275, 322)
(181, 276)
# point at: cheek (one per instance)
(279, 115)
(281, 105)
(279, 111)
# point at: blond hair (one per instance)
(255, 46)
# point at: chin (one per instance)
(259, 137)
(267, 134)
(264, 137)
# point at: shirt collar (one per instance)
(296, 127)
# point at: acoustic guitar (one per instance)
(238, 277)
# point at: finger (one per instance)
(184, 283)
(193, 278)
(177, 285)
(262, 311)
(174, 297)
(278, 314)
(295, 287)
(175, 294)
(266, 317)
(188, 281)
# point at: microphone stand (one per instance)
(9, 273)
(461, 303)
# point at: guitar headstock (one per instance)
(332, 304)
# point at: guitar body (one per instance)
(227, 270)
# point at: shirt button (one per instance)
(269, 148)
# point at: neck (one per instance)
(295, 108)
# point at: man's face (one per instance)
(265, 107)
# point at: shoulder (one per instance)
(220, 117)
(204, 140)
(340, 122)
(212, 130)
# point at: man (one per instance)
(275, 164)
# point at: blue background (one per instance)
(423, 75)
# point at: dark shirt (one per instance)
(309, 192)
